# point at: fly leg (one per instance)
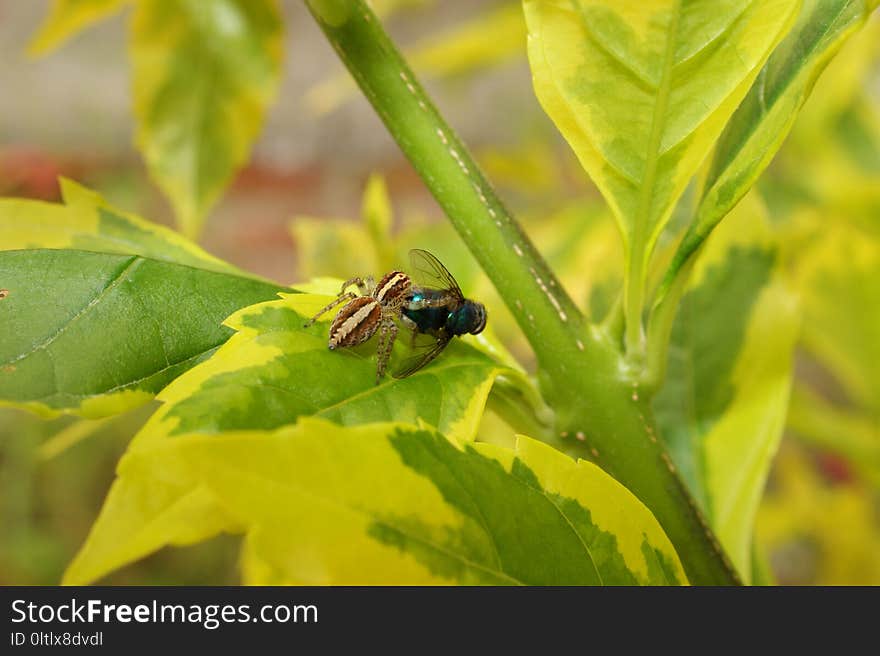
(413, 328)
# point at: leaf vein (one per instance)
(132, 264)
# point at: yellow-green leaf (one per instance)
(87, 222)
(766, 115)
(342, 247)
(69, 17)
(641, 92)
(204, 72)
(845, 80)
(332, 248)
(388, 503)
(138, 519)
(723, 405)
(273, 371)
(378, 217)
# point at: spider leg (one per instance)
(359, 282)
(386, 343)
(380, 348)
(339, 300)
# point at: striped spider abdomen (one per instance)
(356, 322)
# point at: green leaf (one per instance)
(204, 73)
(69, 17)
(766, 115)
(641, 92)
(386, 503)
(723, 405)
(95, 334)
(102, 308)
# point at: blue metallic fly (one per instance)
(435, 306)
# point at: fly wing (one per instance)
(422, 355)
(428, 271)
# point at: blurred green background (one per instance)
(293, 213)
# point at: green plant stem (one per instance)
(600, 406)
